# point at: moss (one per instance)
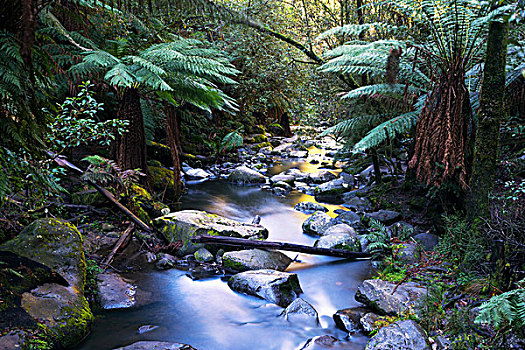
(233, 264)
(258, 146)
(159, 152)
(153, 162)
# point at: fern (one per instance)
(378, 238)
(507, 309)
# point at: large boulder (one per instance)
(256, 259)
(114, 292)
(197, 174)
(349, 319)
(302, 312)
(387, 217)
(156, 345)
(339, 241)
(185, 224)
(356, 203)
(280, 288)
(336, 186)
(289, 179)
(317, 224)
(427, 240)
(408, 252)
(310, 207)
(245, 175)
(60, 308)
(348, 217)
(321, 177)
(380, 296)
(401, 335)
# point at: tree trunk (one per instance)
(491, 112)
(173, 134)
(131, 146)
(284, 122)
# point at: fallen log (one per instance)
(248, 243)
(117, 246)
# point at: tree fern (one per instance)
(504, 309)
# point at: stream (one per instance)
(208, 315)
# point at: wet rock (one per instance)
(245, 175)
(114, 292)
(356, 203)
(427, 240)
(146, 329)
(368, 321)
(283, 185)
(284, 147)
(256, 259)
(289, 179)
(166, 261)
(379, 295)
(298, 154)
(317, 224)
(298, 175)
(408, 252)
(349, 218)
(322, 177)
(349, 319)
(320, 342)
(280, 288)
(151, 257)
(401, 335)
(183, 225)
(341, 240)
(387, 217)
(197, 174)
(156, 345)
(336, 186)
(301, 311)
(348, 179)
(279, 191)
(62, 310)
(310, 207)
(203, 255)
(12, 340)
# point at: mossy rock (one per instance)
(159, 152)
(162, 180)
(258, 146)
(88, 197)
(258, 138)
(59, 304)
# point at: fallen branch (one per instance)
(248, 243)
(117, 246)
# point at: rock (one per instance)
(298, 154)
(317, 224)
(349, 319)
(298, 175)
(387, 217)
(280, 288)
(203, 255)
(156, 345)
(356, 203)
(339, 241)
(401, 335)
(282, 148)
(166, 261)
(279, 191)
(302, 312)
(310, 207)
(256, 259)
(183, 225)
(368, 321)
(114, 292)
(322, 177)
(197, 174)
(443, 342)
(336, 186)
(289, 179)
(347, 178)
(245, 175)
(146, 329)
(321, 342)
(107, 227)
(12, 340)
(427, 240)
(378, 295)
(62, 310)
(407, 252)
(151, 257)
(348, 217)
(283, 185)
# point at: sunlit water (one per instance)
(208, 315)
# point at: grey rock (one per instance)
(298, 154)
(368, 321)
(336, 186)
(115, 292)
(442, 342)
(317, 224)
(151, 257)
(379, 295)
(302, 312)
(245, 175)
(320, 342)
(298, 175)
(339, 241)
(356, 203)
(427, 240)
(283, 185)
(197, 174)
(289, 179)
(401, 335)
(322, 177)
(107, 227)
(276, 287)
(408, 252)
(282, 148)
(349, 218)
(166, 261)
(185, 224)
(387, 217)
(12, 340)
(256, 259)
(156, 345)
(310, 207)
(348, 319)
(203, 255)
(279, 191)
(347, 179)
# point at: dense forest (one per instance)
(138, 140)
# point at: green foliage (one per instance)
(92, 271)
(505, 310)
(378, 238)
(232, 140)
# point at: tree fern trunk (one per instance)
(131, 146)
(173, 133)
(491, 112)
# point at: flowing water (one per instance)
(208, 315)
